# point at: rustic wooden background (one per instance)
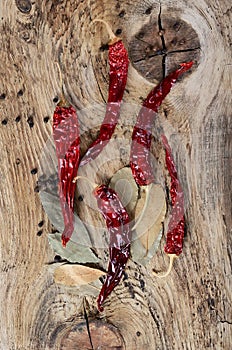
(191, 309)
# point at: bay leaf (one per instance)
(78, 248)
(74, 251)
(140, 254)
(153, 217)
(125, 186)
(76, 275)
(148, 233)
(51, 205)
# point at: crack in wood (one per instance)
(87, 324)
(225, 321)
(161, 53)
(184, 50)
(164, 49)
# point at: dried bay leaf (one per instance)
(147, 236)
(74, 251)
(148, 233)
(140, 254)
(76, 275)
(51, 205)
(125, 186)
(78, 248)
(90, 289)
(153, 216)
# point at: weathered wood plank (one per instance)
(190, 309)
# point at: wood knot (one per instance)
(23, 5)
(162, 44)
(103, 336)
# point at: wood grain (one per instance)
(191, 309)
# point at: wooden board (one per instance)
(191, 309)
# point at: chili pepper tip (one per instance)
(99, 306)
(162, 275)
(187, 65)
(64, 241)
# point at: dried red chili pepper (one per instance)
(142, 133)
(176, 225)
(67, 142)
(117, 221)
(118, 61)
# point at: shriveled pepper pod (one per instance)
(66, 136)
(118, 62)
(117, 222)
(142, 133)
(176, 225)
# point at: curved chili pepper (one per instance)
(119, 62)
(175, 235)
(142, 133)
(117, 221)
(176, 225)
(67, 142)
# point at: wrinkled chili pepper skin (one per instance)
(116, 266)
(142, 132)
(158, 94)
(140, 148)
(119, 62)
(117, 221)
(67, 142)
(176, 225)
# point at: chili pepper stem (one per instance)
(147, 192)
(113, 37)
(85, 178)
(162, 275)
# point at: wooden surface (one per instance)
(191, 309)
